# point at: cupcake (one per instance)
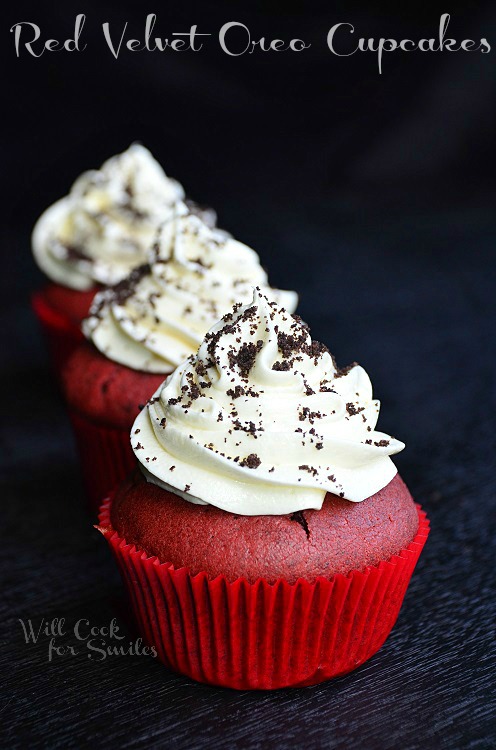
(140, 330)
(95, 236)
(267, 540)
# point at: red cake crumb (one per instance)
(69, 302)
(104, 391)
(341, 537)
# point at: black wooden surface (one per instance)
(432, 684)
(375, 199)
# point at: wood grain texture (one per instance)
(431, 685)
(365, 195)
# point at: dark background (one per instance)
(374, 197)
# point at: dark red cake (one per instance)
(263, 602)
(70, 303)
(103, 399)
(60, 312)
(104, 391)
(341, 537)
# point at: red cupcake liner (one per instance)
(258, 635)
(61, 334)
(105, 454)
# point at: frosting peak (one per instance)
(104, 227)
(158, 316)
(261, 421)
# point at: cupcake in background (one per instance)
(141, 329)
(95, 236)
(268, 541)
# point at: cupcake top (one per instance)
(102, 230)
(158, 316)
(261, 421)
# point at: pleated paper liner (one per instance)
(60, 333)
(105, 455)
(260, 635)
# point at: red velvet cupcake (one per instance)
(145, 326)
(104, 398)
(94, 237)
(270, 541)
(60, 312)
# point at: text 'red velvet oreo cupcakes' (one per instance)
(145, 326)
(95, 236)
(268, 541)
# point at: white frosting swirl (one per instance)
(157, 317)
(102, 230)
(260, 421)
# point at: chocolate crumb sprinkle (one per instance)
(252, 461)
